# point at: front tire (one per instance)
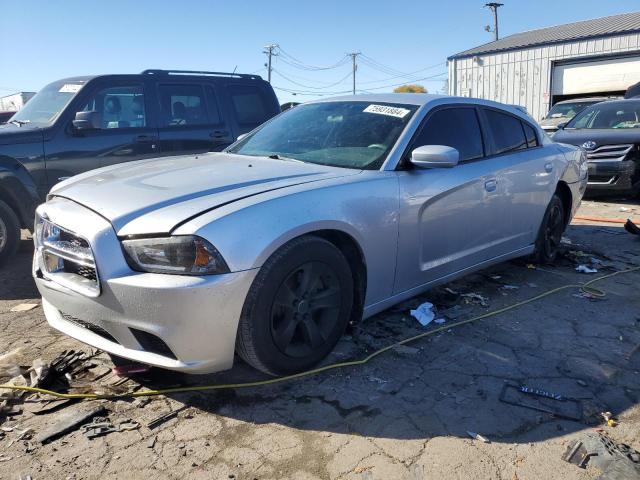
(550, 233)
(297, 307)
(9, 232)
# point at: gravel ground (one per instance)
(404, 415)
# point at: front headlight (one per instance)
(178, 255)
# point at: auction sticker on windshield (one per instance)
(70, 88)
(387, 110)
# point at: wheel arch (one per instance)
(564, 192)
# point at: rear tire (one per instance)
(9, 232)
(297, 307)
(550, 233)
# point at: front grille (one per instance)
(608, 153)
(89, 326)
(66, 258)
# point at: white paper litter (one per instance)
(477, 436)
(24, 307)
(510, 287)
(439, 321)
(585, 269)
(424, 313)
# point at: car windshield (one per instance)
(566, 110)
(46, 105)
(623, 114)
(341, 134)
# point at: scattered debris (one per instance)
(475, 298)
(542, 401)
(156, 422)
(509, 287)
(68, 420)
(102, 426)
(584, 269)
(440, 321)
(582, 383)
(424, 313)
(477, 436)
(129, 369)
(566, 240)
(631, 227)
(609, 418)
(598, 450)
(24, 307)
(152, 441)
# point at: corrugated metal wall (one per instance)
(523, 77)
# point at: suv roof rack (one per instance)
(153, 71)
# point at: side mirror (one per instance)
(561, 126)
(435, 156)
(87, 121)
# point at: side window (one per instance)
(530, 133)
(249, 106)
(454, 127)
(182, 105)
(506, 131)
(118, 107)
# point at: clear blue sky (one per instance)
(43, 41)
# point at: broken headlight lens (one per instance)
(178, 255)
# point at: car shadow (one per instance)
(451, 381)
(15, 274)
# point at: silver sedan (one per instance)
(327, 214)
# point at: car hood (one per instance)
(603, 136)
(553, 122)
(156, 195)
(11, 134)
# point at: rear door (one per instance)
(528, 172)
(191, 120)
(450, 218)
(249, 105)
(122, 130)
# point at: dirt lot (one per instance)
(404, 415)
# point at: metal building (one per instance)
(538, 68)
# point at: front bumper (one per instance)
(611, 176)
(183, 323)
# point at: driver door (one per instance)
(450, 218)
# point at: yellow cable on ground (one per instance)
(585, 287)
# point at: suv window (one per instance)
(507, 132)
(118, 107)
(249, 107)
(454, 127)
(182, 105)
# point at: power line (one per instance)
(293, 61)
(406, 75)
(280, 74)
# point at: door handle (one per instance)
(219, 133)
(548, 167)
(490, 185)
(146, 139)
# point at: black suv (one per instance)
(610, 134)
(81, 123)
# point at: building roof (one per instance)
(598, 27)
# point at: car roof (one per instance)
(585, 99)
(406, 98)
(421, 99)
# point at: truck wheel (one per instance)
(297, 308)
(551, 230)
(9, 232)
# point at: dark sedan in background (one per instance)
(610, 134)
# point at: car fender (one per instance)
(365, 208)
(18, 190)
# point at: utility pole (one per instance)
(353, 56)
(268, 51)
(494, 8)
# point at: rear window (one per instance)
(183, 105)
(506, 131)
(249, 106)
